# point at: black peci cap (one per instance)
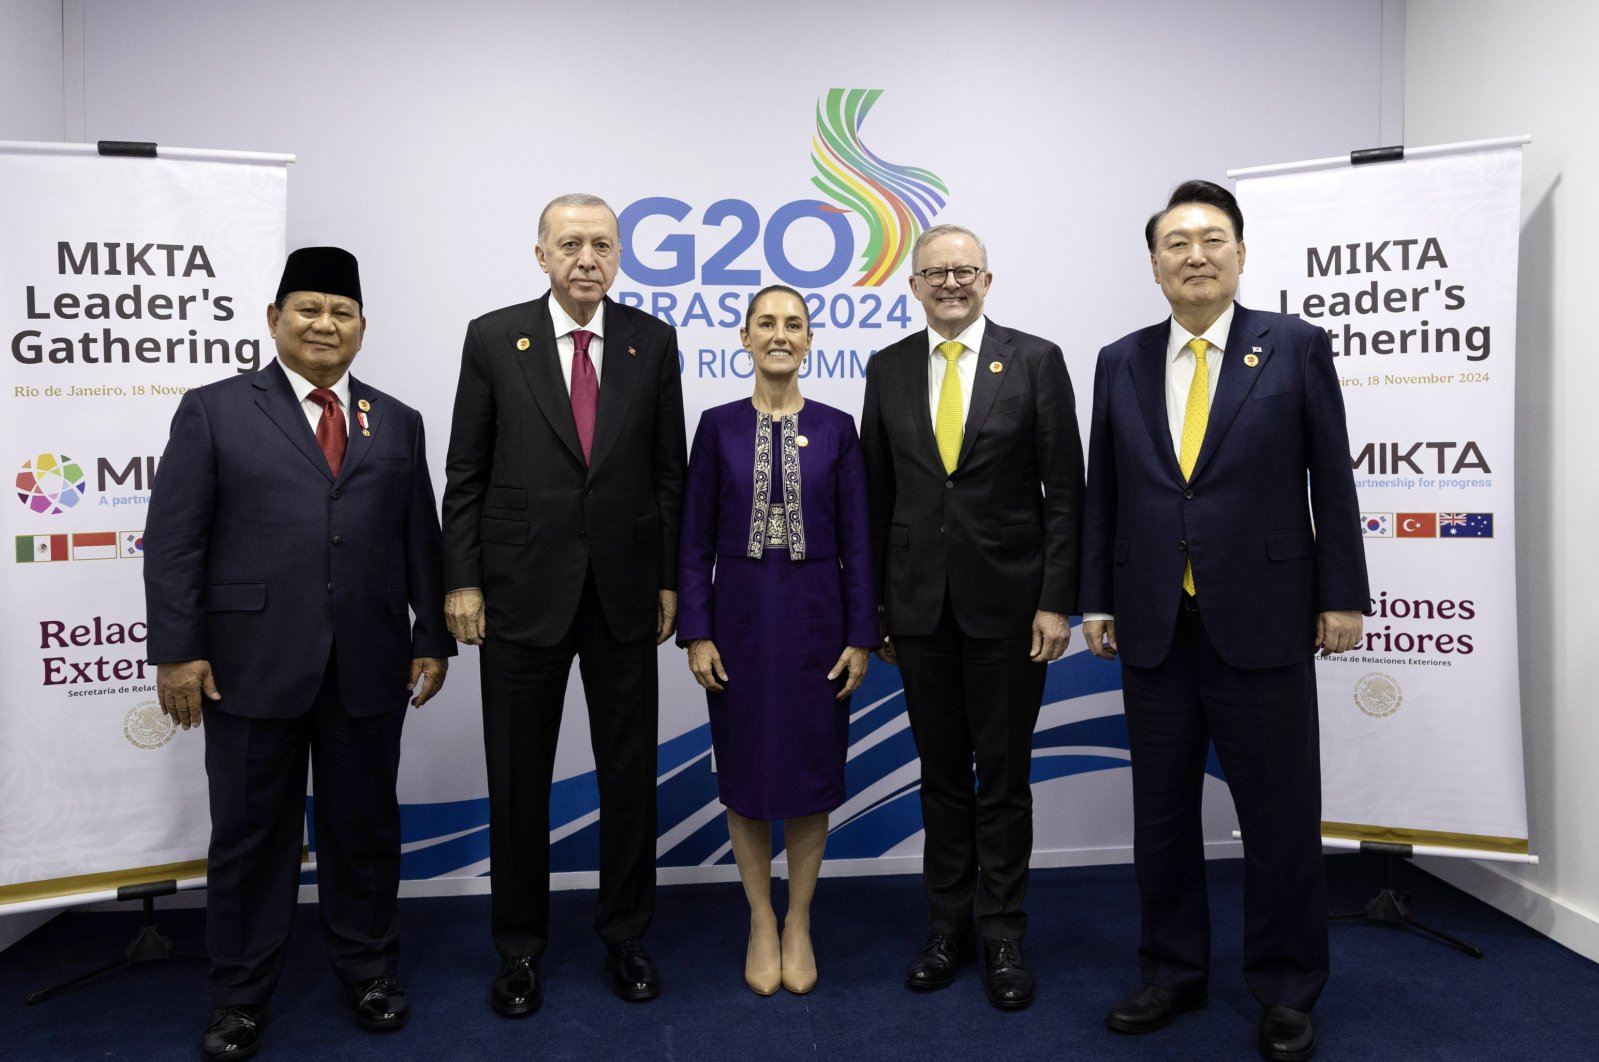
(330, 270)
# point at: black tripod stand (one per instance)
(148, 945)
(1391, 907)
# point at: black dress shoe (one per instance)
(1006, 977)
(934, 966)
(379, 1004)
(517, 990)
(234, 1032)
(1151, 1007)
(634, 975)
(1286, 1035)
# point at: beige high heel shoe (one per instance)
(799, 963)
(763, 980)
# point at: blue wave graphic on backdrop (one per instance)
(881, 810)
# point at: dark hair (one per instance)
(749, 311)
(1198, 192)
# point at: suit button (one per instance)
(330, 588)
(334, 495)
(1182, 545)
(949, 484)
(588, 490)
(338, 540)
(941, 529)
(583, 535)
(1188, 494)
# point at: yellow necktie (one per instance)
(947, 428)
(1196, 414)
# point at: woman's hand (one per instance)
(706, 663)
(852, 663)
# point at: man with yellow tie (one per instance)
(1214, 573)
(975, 473)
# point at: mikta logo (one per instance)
(50, 484)
(895, 204)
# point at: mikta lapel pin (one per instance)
(363, 405)
(631, 352)
(995, 366)
(1251, 360)
(522, 344)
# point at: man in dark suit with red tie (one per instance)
(294, 590)
(1215, 572)
(565, 482)
(975, 476)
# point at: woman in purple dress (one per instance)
(775, 607)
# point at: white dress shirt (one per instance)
(965, 366)
(310, 406)
(565, 345)
(1180, 365)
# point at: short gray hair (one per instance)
(570, 199)
(946, 230)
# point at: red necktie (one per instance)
(585, 390)
(331, 433)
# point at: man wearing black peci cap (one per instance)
(294, 593)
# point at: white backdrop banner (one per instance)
(123, 282)
(1411, 267)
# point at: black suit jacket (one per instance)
(260, 561)
(524, 517)
(1000, 533)
(1268, 553)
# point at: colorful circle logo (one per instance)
(50, 483)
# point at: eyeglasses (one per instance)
(935, 276)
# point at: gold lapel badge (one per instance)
(995, 366)
(800, 440)
(1251, 360)
(364, 406)
(522, 344)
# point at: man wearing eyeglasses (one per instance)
(975, 471)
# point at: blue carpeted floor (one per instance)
(1394, 995)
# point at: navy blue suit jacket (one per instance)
(260, 561)
(1268, 553)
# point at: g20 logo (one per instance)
(686, 256)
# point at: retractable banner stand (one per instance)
(124, 281)
(1409, 263)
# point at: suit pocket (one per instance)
(899, 535)
(506, 498)
(1020, 535)
(235, 597)
(1289, 545)
(509, 532)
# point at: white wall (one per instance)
(32, 104)
(1474, 69)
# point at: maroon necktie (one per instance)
(585, 390)
(331, 434)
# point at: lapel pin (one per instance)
(363, 405)
(361, 420)
(366, 433)
(522, 344)
(631, 352)
(1251, 360)
(995, 366)
(800, 440)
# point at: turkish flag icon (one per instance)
(1415, 525)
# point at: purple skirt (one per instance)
(779, 736)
